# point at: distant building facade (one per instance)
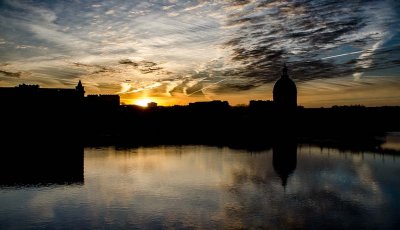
(285, 91)
(33, 95)
(50, 115)
(99, 100)
(261, 104)
(216, 104)
(152, 104)
(25, 95)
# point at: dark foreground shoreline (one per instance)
(355, 128)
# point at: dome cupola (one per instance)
(285, 91)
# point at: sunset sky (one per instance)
(179, 51)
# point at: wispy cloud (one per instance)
(269, 33)
(10, 74)
(196, 48)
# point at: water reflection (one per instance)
(284, 159)
(42, 165)
(392, 141)
(215, 187)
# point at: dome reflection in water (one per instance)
(209, 187)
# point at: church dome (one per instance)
(285, 91)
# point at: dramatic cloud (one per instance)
(128, 62)
(196, 49)
(302, 33)
(10, 74)
(144, 66)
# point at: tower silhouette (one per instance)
(80, 89)
(285, 91)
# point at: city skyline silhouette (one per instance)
(284, 95)
(193, 114)
(175, 53)
(59, 112)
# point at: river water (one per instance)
(185, 187)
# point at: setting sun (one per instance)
(142, 102)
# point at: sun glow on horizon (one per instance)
(178, 52)
(142, 102)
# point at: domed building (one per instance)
(285, 91)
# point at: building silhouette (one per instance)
(285, 92)
(33, 96)
(102, 100)
(260, 103)
(80, 89)
(215, 104)
(152, 104)
(25, 95)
